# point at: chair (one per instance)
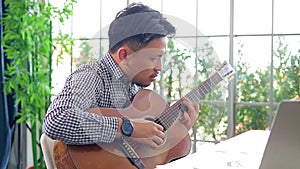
(47, 147)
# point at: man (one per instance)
(137, 43)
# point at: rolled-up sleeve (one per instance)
(67, 119)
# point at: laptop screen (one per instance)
(283, 147)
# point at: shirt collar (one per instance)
(115, 68)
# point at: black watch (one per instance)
(126, 127)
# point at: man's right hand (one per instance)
(146, 132)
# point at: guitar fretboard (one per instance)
(174, 112)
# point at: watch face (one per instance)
(127, 127)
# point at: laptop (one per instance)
(277, 149)
(283, 147)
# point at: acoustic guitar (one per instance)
(125, 153)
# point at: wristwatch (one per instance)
(126, 127)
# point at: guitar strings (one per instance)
(192, 96)
(168, 117)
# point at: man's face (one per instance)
(144, 65)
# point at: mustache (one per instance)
(154, 74)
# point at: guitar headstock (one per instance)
(226, 71)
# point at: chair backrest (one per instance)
(47, 147)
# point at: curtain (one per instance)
(7, 109)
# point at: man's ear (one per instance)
(122, 53)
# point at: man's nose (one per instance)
(158, 65)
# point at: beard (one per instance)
(140, 84)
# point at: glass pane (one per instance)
(177, 74)
(212, 122)
(207, 57)
(56, 25)
(207, 54)
(109, 9)
(255, 50)
(85, 51)
(286, 67)
(252, 118)
(253, 56)
(221, 47)
(61, 65)
(152, 4)
(86, 18)
(213, 17)
(286, 16)
(183, 27)
(103, 47)
(252, 16)
(183, 18)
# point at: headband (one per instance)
(134, 24)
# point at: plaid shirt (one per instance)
(97, 84)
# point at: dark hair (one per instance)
(121, 30)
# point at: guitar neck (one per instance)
(174, 112)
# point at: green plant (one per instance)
(86, 55)
(175, 74)
(212, 118)
(255, 87)
(28, 46)
(252, 86)
(177, 79)
(287, 72)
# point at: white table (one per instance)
(244, 151)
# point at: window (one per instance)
(253, 35)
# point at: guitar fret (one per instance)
(173, 113)
(198, 93)
(167, 118)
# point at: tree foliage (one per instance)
(28, 45)
(252, 86)
(178, 77)
(256, 87)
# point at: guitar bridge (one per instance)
(130, 153)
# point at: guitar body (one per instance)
(146, 104)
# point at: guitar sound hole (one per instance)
(157, 121)
(149, 119)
